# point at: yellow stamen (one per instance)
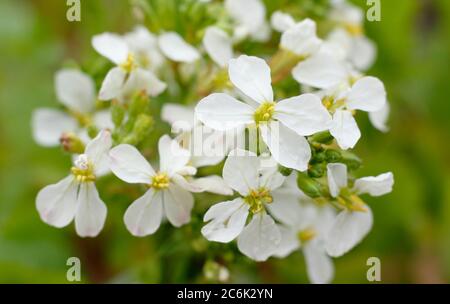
(160, 181)
(83, 175)
(257, 198)
(129, 64)
(264, 112)
(307, 235)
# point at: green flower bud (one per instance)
(92, 131)
(284, 171)
(71, 143)
(139, 104)
(309, 186)
(322, 137)
(117, 114)
(333, 156)
(352, 161)
(317, 170)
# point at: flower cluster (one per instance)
(272, 124)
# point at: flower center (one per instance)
(160, 181)
(264, 112)
(351, 201)
(129, 64)
(257, 198)
(306, 235)
(83, 169)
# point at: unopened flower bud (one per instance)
(317, 170)
(333, 156)
(352, 161)
(71, 143)
(309, 186)
(322, 137)
(284, 171)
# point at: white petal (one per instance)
(367, 94)
(379, 118)
(286, 208)
(48, 125)
(178, 204)
(141, 80)
(75, 90)
(250, 14)
(344, 129)
(113, 83)
(240, 171)
(337, 178)
(57, 203)
(363, 53)
(222, 112)
(320, 71)
(172, 157)
(175, 48)
(227, 219)
(301, 39)
(304, 114)
(251, 75)
(289, 242)
(287, 147)
(218, 45)
(178, 116)
(270, 178)
(97, 151)
(375, 185)
(128, 164)
(318, 264)
(281, 21)
(349, 228)
(260, 238)
(103, 120)
(212, 184)
(91, 213)
(111, 46)
(144, 215)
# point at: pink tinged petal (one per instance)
(113, 83)
(337, 178)
(260, 238)
(319, 265)
(301, 39)
(57, 203)
(175, 48)
(379, 118)
(375, 185)
(111, 46)
(349, 228)
(321, 71)
(367, 94)
(241, 171)
(128, 164)
(304, 114)
(344, 129)
(178, 204)
(289, 242)
(287, 147)
(75, 90)
(48, 125)
(218, 45)
(97, 151)
(91, 213)
(172, 157)
(144, 215)
(281, 21)
(251, 75)
(226, 220)
(222, 112)
(141, 80)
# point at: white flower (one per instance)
(76, 195)
(281, 21)
(208, 147)
(250, 19)
(299, 116)
(218, 45)
(169, 189)
(127, 75)
(379, 118)
(175, 48)
(355, 221)
(76, 91)
(260, 192)
(301, 39)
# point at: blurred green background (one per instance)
(411, 231)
